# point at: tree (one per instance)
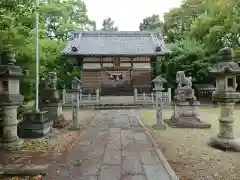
(151, 23)
(194, 32)
(108, 25)
(61, 17)
(57, 19)
(219, 26)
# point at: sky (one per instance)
(127, 14)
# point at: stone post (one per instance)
(64, 96)
(225, 94)
(81, 96)
(76, 90)
(152, 97)
(10, 99)
(169, 95)
(97, 96)
(1, 119)
(144, 96)
(135, 94)
(50, 101)
(158, 83)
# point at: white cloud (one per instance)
(127, 14)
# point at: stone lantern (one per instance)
(76, 84)
(10, 99)
(75, 90)
(158, 84)
(225, 72)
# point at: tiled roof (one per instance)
(127, 43)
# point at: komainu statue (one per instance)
(182, 80)
(49, 91)
(51, 81)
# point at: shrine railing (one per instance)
(84, 99)
(150, 98)
(68, 98)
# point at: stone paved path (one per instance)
(114, 147)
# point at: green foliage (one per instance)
(195, 31)
(108, 25)
(57, 19)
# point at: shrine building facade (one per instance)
(116, 62)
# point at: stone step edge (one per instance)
(25, 171)
(164, 161)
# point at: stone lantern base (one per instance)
(226, 138)
(224, 143)
(55, 113)
(11, 145)
(186, 110)
(34, 125)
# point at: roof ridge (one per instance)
(116, 33)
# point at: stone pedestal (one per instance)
(50, 101)
(10, 139)
(35, 124)
(54, 113)
(226, 138)
(186, 110)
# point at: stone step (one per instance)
(117, 107)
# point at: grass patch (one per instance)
(187, 150)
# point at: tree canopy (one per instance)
(57, 20)
(108, 25)
(194, 32)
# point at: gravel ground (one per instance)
(55, 142)
(187, 150)
(47, 149)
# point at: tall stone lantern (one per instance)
(75, 90)
(225, 72)
(10, 99)
(158, 84)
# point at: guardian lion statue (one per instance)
(51, 81)
(182, 80)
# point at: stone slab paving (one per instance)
(114, 147)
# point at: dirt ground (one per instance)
(187, 151)
(48, 149)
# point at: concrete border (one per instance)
(165, 163)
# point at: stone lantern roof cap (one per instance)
(159, 79)
(226, 65)
(76, 80)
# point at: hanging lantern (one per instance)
(111, 76)
(117, 78)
